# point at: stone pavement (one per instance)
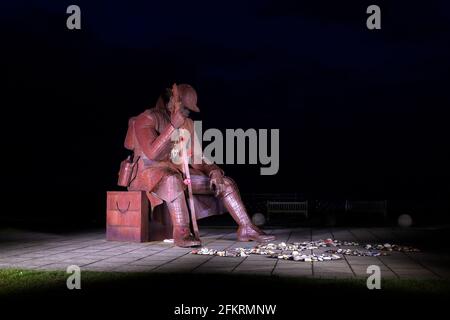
(90, 251)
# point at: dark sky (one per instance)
(361, 113)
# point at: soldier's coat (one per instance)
(142, 132)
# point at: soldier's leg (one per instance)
(171, 190)
(232, 201)
(201, 184)
(247, 231)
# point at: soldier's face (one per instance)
(170, 105)
(183, 109)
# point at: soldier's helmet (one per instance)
(188, 97)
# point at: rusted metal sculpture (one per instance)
(152, 170)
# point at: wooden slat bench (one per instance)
(295, 207)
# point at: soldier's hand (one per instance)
(216, 183)
(178, 117)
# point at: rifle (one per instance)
(185, 160)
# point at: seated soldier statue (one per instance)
(149, 136)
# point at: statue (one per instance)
(153, 170)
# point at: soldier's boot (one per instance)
(171, 191)
(179, 215)
(247, 231)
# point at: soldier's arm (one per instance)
(204, 167)
(155, 147)
(208, 169)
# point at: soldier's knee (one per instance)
(170, 187)
(229, 186)
(173, 180)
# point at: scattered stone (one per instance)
(351, 244)
(356, 253)
(293, 251)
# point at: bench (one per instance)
(366, 207)
(295, 207)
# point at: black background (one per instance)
(362, 113)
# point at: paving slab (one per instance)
(90, 251)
